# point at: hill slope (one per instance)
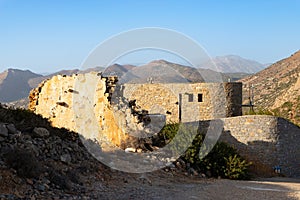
(277, 88)
(14, 84)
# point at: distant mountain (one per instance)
(277, 88)
(14, 84)
(161, 71)
(233, 64)
(117, 70)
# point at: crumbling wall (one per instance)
(59, 101)
(90, 105)
(128, 109)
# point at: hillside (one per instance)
(14, 84)
(233, 64)
(162, 71)
(277, 88)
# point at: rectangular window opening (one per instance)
(200, 97)
(191, 99)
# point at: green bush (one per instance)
(222, 161)
(260, 111)
(236, 167)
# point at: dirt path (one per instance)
(166, 186)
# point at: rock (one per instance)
(130, 150)
(7, 196)
(145, 179)
(171, 165)
(193, 172)
(29, 181)
(208, 174)
(2, 139)
(40, 187)
(66, 158)
(3, 130)
(41, 132)
(12, 129)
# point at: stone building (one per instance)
(187, 102)
(108, 112)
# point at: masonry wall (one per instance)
(64, 100)
(267, 141)
(188, 102)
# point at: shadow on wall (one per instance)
(267, 156)
(262, 154)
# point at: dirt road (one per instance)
(166, 186)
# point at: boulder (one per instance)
(12, 129)
(3, 130)
(41, 132)
(66, 158)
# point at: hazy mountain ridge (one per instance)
(14, 84)
(277, 88)
(233, 64)
(16, 87)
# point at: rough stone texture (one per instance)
(233, 93)
(41, 132)
(267, 141)
(3, 130)
(12, 129)
(76, 102)
(94, 106)
(180, 101)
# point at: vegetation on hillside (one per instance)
(289, 111)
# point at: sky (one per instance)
(47, 36)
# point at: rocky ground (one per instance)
(38, 161)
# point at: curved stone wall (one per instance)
(267, 141)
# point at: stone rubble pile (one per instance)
(40, 163)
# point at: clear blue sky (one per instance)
(46, 36)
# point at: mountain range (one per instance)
(275, 89)
(233, 64)
(15, 84)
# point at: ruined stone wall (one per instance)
(267, 141)
(188, 102)
(64, 100)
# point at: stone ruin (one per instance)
(137, 109)
(121, 114)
